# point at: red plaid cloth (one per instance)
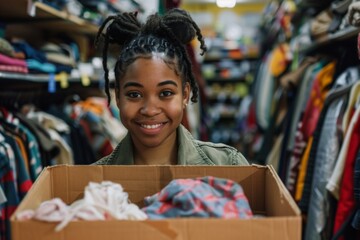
(199, 197)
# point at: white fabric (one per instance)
(354, 14)
(102, 201)
(49, 121)
(66, 153)
(54, 126)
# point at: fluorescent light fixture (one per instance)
(226, 3)
(213, 1)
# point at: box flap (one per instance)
(41, 191)
(278, 197)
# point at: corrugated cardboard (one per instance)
(266, 193)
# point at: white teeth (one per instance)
(150, 126)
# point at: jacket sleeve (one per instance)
(222, 154)
(238, 159)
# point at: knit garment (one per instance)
(200, 197)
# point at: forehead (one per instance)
(150, 70)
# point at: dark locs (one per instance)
(164, 35)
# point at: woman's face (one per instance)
(151, 101)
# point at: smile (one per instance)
(151, 126)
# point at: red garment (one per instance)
(346, 202)
(169, 4)
(307, 123)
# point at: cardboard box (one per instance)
(265, 191)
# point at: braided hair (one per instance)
(165, 35)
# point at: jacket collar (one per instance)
(188, 152)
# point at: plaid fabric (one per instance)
(31, 144)
(21, 175)
(7, 183)
(199, 197)
(34, 151)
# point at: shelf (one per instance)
(12, 80)
(43, 16)
(344, 34)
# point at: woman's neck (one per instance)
(165, 154)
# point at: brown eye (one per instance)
(133, 95)
(166, 93)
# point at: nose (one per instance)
(150, 107)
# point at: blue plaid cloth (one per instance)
(199, 197)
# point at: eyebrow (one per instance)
(135, 84)
(132, 84)
(167, 82)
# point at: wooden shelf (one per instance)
(43, 16)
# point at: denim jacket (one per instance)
(190, 152)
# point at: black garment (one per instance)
(356, 221)
(83, 151)
(48, 148)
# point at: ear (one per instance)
(186, 94)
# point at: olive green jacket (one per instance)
(190, 152)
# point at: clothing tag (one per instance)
(31, 9)
(52, 83)
(63, 79)
(85, 80)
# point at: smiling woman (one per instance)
(152, 106)
(153, 84)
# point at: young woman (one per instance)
(153, 84)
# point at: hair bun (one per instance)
(120, 28)
(177, 20)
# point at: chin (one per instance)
(151, 144)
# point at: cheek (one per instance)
(176, 108)
(126, 110)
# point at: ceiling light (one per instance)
(226, 3)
